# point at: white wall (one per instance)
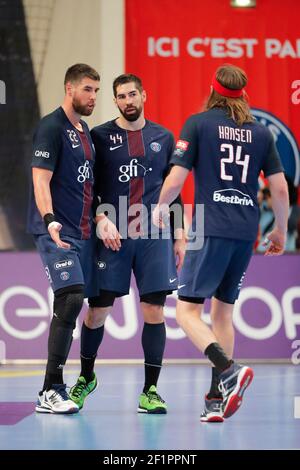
(89, 31)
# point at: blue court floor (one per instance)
(267, 419)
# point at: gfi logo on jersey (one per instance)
(133, 170)
(42, 153)
(232, 196)
(85, 172)
(285, 142)
(73, 138)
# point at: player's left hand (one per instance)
(54, 228)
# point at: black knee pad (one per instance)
(67, 304)
(105, 298)
(155, 298)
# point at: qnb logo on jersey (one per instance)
(133, 170)
(232, 196)
(84, 172)
(42, 154)
(73, 138)
(285, 142)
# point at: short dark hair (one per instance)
(77, 72)
(127, 78)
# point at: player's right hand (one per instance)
(275, 243)
(54, 228)
(108, 233)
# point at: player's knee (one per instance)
(154, 298)
(152, 306)
(180, 314)
(95, 317)
(67, 304)
(105, 298)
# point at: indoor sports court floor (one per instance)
(268, 418)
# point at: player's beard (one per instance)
(131, 117)
(83, 110)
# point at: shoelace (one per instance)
(225, 390)
(58, 395)
(154, 396)
(224, 386)
(78, 389)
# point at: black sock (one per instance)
(90, 342)
(214, 389)
(87, 367)
(153, 342)
(217, 356)
(54, 375)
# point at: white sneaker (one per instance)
(56, 400)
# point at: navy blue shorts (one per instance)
(152, 262)
(63, 267)
(217, 270)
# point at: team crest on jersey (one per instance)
(155, 146)
(285, 142)
(65, 276)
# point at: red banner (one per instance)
(175, 46)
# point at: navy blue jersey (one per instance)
(227, 160)
(131, 164)
(59, 147)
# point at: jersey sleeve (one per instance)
(46, 146)
(171, 147)
(97, 170)
(272, 163)
(187, 146)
